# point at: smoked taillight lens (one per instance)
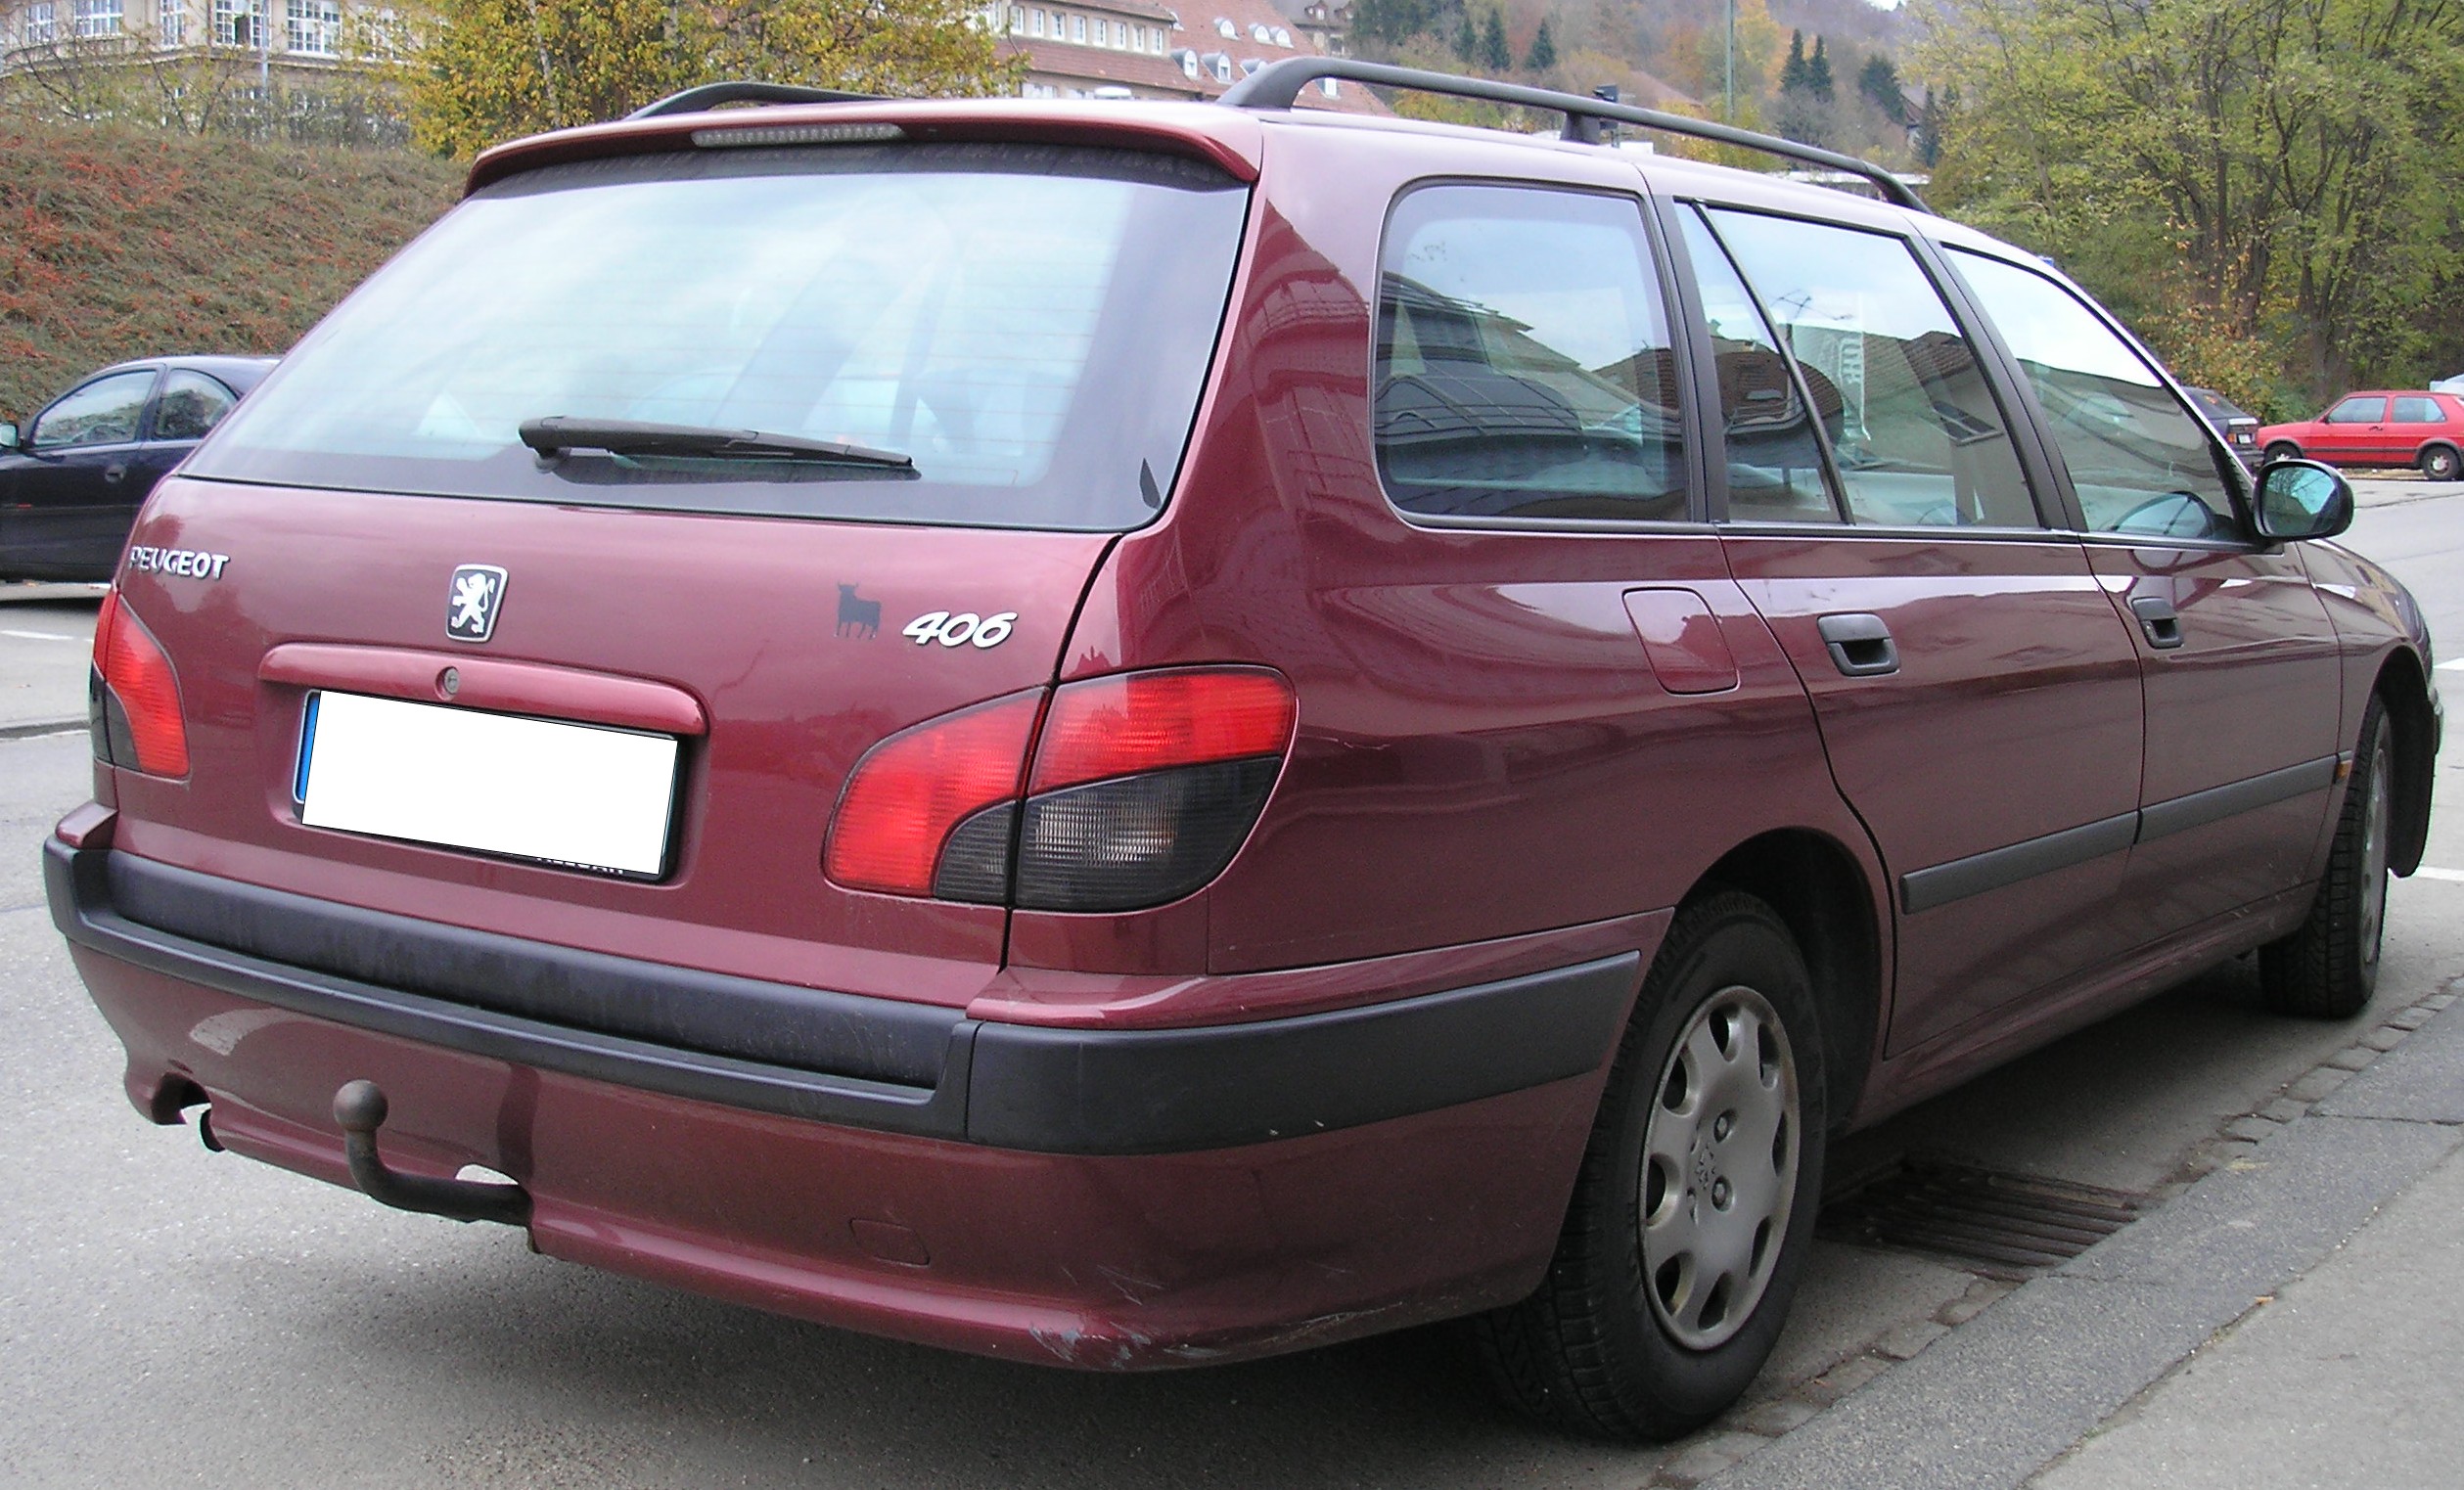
(132, 697)
(1146, 783)
(1143, 787)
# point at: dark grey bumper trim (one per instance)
(1008, 1085)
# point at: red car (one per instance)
(1130, 735)
(2380, 429)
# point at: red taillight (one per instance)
(1134, 722)
(140, 697)
(1144, 785)
(910, 792)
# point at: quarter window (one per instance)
(1919, 437)
(1523, 360)
(1775, 471)
(2359, 411)
(102, 412)
(2418, 411)
(2140, 461)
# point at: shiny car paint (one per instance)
(1519, 748)
(2383, 442)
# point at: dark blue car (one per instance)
(72, 478)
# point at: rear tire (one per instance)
(2329, 968)
(1694, 1207)
(2439, 463)
(2283, 450)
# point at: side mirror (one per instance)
(2302, 499)
(8, 436)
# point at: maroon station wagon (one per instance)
(1129, 736)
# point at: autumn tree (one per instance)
(2235, 173)
(485, 70)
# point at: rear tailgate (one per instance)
(788, 635)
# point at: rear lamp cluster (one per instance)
(1107, 794)
(132, 698)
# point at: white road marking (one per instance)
(43, 636)
(2452, 664)
(2427, 872)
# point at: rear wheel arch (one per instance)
(1820, 891)
(2404, 691)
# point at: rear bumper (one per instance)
(1116, 1199)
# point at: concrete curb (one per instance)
(1992, 1401)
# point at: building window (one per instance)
(172, 23)
(234, 27)
(41, 26)
(1018, 19)
(1039, 22)
(1078, 28)
(314, 27)
(95, 18)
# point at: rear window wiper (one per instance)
(554, 436)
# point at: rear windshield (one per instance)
(1031, 325)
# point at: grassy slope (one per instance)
(119, 243)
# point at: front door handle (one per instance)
(1860, 644)
(2158, 619)
(115, 471)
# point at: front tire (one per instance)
(1694, 1210)
(2329, 968)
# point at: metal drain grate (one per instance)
(2013, 1224)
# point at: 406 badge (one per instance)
(986, 631)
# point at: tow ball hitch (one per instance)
(360, 1108)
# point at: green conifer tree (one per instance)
(1496, 56)
(1542, 57)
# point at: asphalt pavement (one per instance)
(172, 1316)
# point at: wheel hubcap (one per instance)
(1720, 1169)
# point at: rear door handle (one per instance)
(2158, 619)
(1860, 644)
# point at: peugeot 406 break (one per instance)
(1138, 734)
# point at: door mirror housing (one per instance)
(2302, 499)
(8, 435)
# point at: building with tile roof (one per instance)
(1141, 49)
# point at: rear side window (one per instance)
(2418, 411)
(2140, 461)
(1522, 359)
(191, 404)
(1919, 437)
(1031, 325)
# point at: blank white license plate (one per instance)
(573, 795)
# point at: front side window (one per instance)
(2359, 411)
(2417, 411)
(1920, 439)
(1523, 360)
(1775, 469)
(2140, 461)
(102, 412)
(191, 404)
(1030, 326)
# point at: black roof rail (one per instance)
(711, 95)
(1278, 85)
